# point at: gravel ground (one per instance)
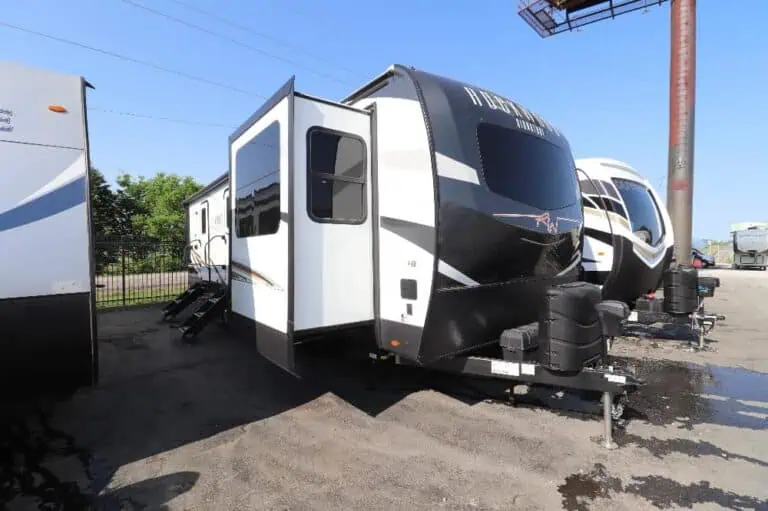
(211, 425)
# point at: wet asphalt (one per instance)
(212, 426)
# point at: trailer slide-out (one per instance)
(435, 223)
(47, 303)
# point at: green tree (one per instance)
(155, 204)
(102, 206)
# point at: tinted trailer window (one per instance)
(526, 168)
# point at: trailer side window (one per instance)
(605, 199)
(204, 219)
(257, 176)
(336, 166)
(609, 189)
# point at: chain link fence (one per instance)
(135, 272)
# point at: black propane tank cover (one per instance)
(569, 329)
(681, 294)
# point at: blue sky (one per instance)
(606, 87)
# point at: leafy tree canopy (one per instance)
(156, 203)
(140, 207)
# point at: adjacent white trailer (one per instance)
(47, 302)
(207, 232)
(750, 248)
(628, 249)
(628, 238)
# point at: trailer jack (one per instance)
(612, 383)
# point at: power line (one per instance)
(156, 67)
(159, 118)
(251, 30)
(231, 40)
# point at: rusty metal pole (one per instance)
(682, 95)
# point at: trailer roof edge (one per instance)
(224, 178)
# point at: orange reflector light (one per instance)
(601, 253)
(394, 343)
(57, 108)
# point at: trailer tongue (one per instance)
(566, 347)
(682, 303)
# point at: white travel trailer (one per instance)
(436, 219)
(628, 238)
(628, 249)
(47, 302)
(207, 219)
(750, 248)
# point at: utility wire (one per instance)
(231, 40)
(253, 31)
(159, 118)
(156, 67)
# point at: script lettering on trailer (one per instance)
(524, 119)
(6, 120)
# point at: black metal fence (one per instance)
(134, 272)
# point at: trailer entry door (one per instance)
(333, 256)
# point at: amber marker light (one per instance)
(57, 108)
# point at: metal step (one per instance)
(205, 313)
(182, 301)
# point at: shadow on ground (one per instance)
(61, 452)
(159, 394)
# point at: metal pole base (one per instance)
(608, 442)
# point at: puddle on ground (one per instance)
(660, 447)
(579, 491)
(686, 395)
(676, 394)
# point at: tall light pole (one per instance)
(551, 17)
(682, 95)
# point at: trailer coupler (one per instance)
(612, 383)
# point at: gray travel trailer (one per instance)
(436, 223)
(47, 302)
(750, 248)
